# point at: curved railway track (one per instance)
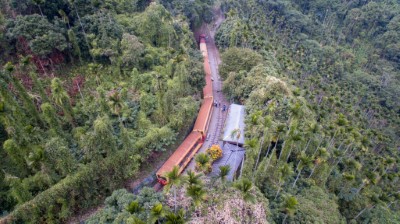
(210, 120)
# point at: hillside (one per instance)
(94, 92)
(90, 91)
(320, 81)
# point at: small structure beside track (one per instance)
(232, 143)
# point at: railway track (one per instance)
(210, 120)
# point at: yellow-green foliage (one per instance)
(215, 152)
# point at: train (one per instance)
(193, 142)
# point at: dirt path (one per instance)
(218, 116)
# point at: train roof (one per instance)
(180, 153)
(207, 90)
(204, 113)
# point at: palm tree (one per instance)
(250, 145)
(178, 218)
(236, 134)
(322, 156)
(115, 102)
(279, 130)
(157, 213)
(266, 125)
(27, 101)
(134, 207)
(203, 160)
(285, 172)
(295, 137)
(192, 178)
(174, 181)
(36, 159)
(72, 2)
(304, 161)
(197, 193)
(289, 134)
(38, 3)
(289, 207)
(312, 129)
(223, 173)
(135, 220)
(296, 111)
(61, 98)
(245, 186)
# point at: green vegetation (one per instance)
(199, 201)
(322, 115)
(90, 90)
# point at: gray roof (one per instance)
(235, 120)
(232, 156)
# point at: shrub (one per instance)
(215, 152)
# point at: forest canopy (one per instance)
(320, 84)
(91, 91)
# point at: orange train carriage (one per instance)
(193, 142)
(207, 90)
(181, 157)
(204, 115)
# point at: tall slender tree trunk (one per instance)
(297, 177)
(316, 149)
(284, 219)
(283, 146)
(258, 159)
(308, 143)
(273, 151)
(312, 171)
(83, 29)
(40, 10)
(290, 152)
(362, 211)
(279, 190)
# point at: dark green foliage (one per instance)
(236, 60)
(42, 36)
(196, 11)
(317, 206)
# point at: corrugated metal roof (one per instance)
(204, 115)
(180, 153)
(232, 156)
(234, 120)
